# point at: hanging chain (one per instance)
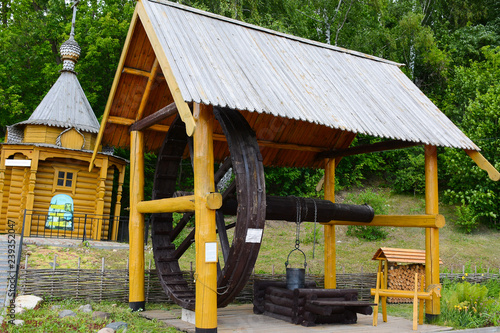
(315, 222)
(297, 221)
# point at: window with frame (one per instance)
(64, 179)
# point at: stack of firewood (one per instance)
(402, 277)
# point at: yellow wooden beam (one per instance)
(205, 236)
(182, 106)
(118, 204)
(483, 163)
(329, 229)
(409, 221)
(139, 72)
(402, 293)
(114, 87)
(147, 91)
(136, 223)
(433, 308)
(170, 205)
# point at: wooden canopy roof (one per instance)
(394, 255)
(302, 98)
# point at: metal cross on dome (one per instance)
(75, 3)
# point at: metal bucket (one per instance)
(295, 278)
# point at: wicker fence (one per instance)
(112, 285)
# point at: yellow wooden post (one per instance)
(431, 234)
(118, 204)
(101, 191)
(30, 198)
(136, 223)
(330, 260)
(3, 221)
(206, 272)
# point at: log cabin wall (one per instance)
(49, 135)
(84, 193)
(84, 190)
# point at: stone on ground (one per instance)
(27, 302)
(66, 313)
(87, 308)
(118, 325)
(101, 314)
(106, 330)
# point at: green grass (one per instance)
(45, 319)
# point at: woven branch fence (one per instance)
(112, 285)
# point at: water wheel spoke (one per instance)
(184, 245)
(180, 225)
(221, 231)
(219, 270)
(225, 166)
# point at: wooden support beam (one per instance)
(409, 221)
(329, 230)
(139, 72)
(216, 137)
(433, 308)
(483, 163)
(147, 91)
(118, 204)
(206, 268)
(170, 205)
(363, 149)
(154, 118)
(136, 223)
(402, 293)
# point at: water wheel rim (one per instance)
(250, 188)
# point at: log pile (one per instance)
(308, 306)
(402, 277)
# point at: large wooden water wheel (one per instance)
(248, 188)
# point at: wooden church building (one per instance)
(44, 167)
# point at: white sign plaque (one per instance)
(254, 235)
(211, 252)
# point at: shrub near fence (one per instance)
(112, 285)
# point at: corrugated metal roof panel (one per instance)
(65, 105)
(227, 63)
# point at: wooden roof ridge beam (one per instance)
(363, 149)
(154, 118)
(483, 163)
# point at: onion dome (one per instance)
(70, 52)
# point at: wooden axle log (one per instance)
(287, 208)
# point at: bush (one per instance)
(467, 305)
(466, 220)
(379, 205)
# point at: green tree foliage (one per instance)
(468, 185)
(31, 34)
